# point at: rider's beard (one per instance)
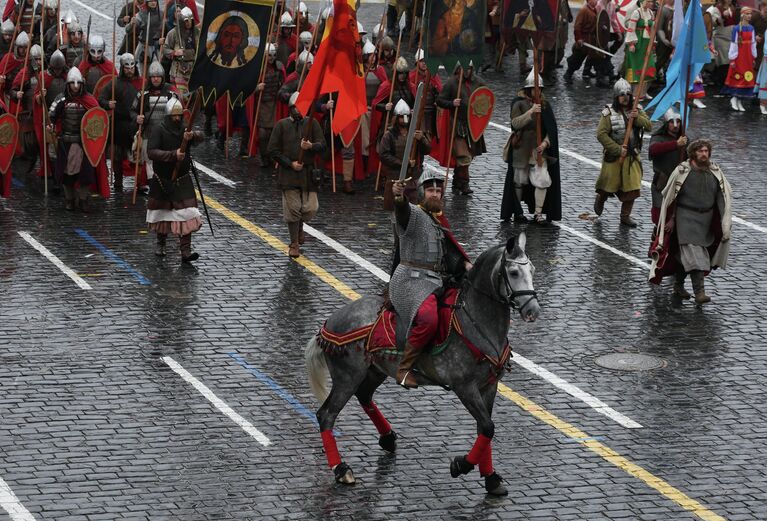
(432, 205)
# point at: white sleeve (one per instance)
(733, 53)
(631, 28)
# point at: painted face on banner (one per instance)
(233, 40)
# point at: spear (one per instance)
(44, 159)
(452, 132)
(226, 130)
(133, 28)
(24, 78)
(139, 136)
(426, 84)
(391, 95)
(13, 44)
(537, 100)
(315, 31)
(58, 25)
(640, 87)
(162, 29)
(88, 36)
(381, 32)
(114, 81)
(261, 76)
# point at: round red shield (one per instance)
(103, 82)
(480, 110)
(9, 135)
(94, 133)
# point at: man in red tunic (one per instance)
(95, 65)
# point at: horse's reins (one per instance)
(509, 299)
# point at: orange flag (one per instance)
(338, 68)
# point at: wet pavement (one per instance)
(168, 392)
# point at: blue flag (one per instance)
(691, 54)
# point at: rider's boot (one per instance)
(404, 378)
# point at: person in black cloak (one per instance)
(541, 193)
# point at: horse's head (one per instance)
(516, 273)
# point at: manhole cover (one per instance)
(630, 362)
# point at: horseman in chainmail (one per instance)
(429, 255)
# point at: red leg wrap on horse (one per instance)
(377, 418)
(331, 450)
(478, 450)
(486, 462)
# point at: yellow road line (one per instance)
(280, 246)
(670, 492)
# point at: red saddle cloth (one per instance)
(380, 337)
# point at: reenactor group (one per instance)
(53, 86)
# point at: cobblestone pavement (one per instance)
(97, 424)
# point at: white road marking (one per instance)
(45, 252)
(217, 402)
(215, 175)
(346, 252)
(630, 258)
(531, 366)
(592, 401)
(91, 9)
(597, 164)
(12, 505)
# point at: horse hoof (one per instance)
(344, 475)
(388, 442)
(494, 485)
(459, 466)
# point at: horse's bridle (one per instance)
(511, 294)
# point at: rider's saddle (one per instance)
(386, 336)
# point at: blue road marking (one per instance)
(109, 254)
(281, 392)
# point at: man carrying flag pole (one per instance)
(693, 53)
(338, 68)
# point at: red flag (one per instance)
(338, 68)
(10, 5)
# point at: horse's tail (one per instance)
(316, 369)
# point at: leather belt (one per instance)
(694, 208)
(439, 268)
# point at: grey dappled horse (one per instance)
(501, 279)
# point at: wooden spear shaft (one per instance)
(58, 23)
(114, 81)
(332, 152)
(452, 131)
(537, 98)
(427, 85)
(391, 96)
(162, 30)
(43, 159)
(133, 29)
(261, 76)
(12, 49)
(640, 86)
(139, 136)
(24, 73)
(381, 30)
